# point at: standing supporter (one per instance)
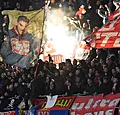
(106, 86)
(59, 81)
(116, 85)
(70, 88)
(52, 88)
(90, 88)
(80, 84)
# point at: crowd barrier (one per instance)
(73, 105)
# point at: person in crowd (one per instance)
(106, 86)
(70, 88)
(116, 85)
(90, 88)
(52, 88)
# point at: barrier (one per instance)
(78, 105)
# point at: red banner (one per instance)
(42, 102)
(62, 103)
(108, 36)
(44, 112)
(114, 14)
(95, 105)
(7, 113)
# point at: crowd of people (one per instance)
(100, 73)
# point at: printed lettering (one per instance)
(114, 102)
(109, 112)
(88, 114)
(104, 102)
(58, 103)
(43, 104)
(74, 106)
(107, 36)
(97, 35)
(64, 104)
(99, 113)
(68, 102)
(81, 106)
(96, 103)
(89, 103)
(73, 113)
(117, 41)
(44, 113)
(109, 27)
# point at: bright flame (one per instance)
(58, 35)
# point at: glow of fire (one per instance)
(63, 42)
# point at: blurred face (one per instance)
(22, 25)
(61, 72)
(89, 81)
(74, 62)
(11, 86)
(90, 71)
(105, 69)
(115, 80)
(51, 85)
(16, 84)
(117, 69)
(56, 73)
(47, 79)
(77, 72)
(105, 80)
(70, 74)
(92, 63)
(96, 74)
(113, 71)
(77, 79)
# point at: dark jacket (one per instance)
(14, 58)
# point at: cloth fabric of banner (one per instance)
(108, 36)
(114, 14)
(95, 105)
(62, 103)
(59, 112)
(34, 110)
(9, 104)
(7, 113)
(51, 100)
(23, 52)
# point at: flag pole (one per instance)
(41, 52)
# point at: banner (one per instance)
(51, 100)
(42, 102)
(114, 14)
(9, 104)
(108, 36)
(62, 103)
(23, 49)
(7, 113)
(44, 112)
(59, 112)
(95, 105)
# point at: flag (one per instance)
(10, 104)
(82, 51)
(59, 112)
(19, 108)
(19, 111)
(114, 14)
(108, 36)
(34, 110)
(22, 53)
